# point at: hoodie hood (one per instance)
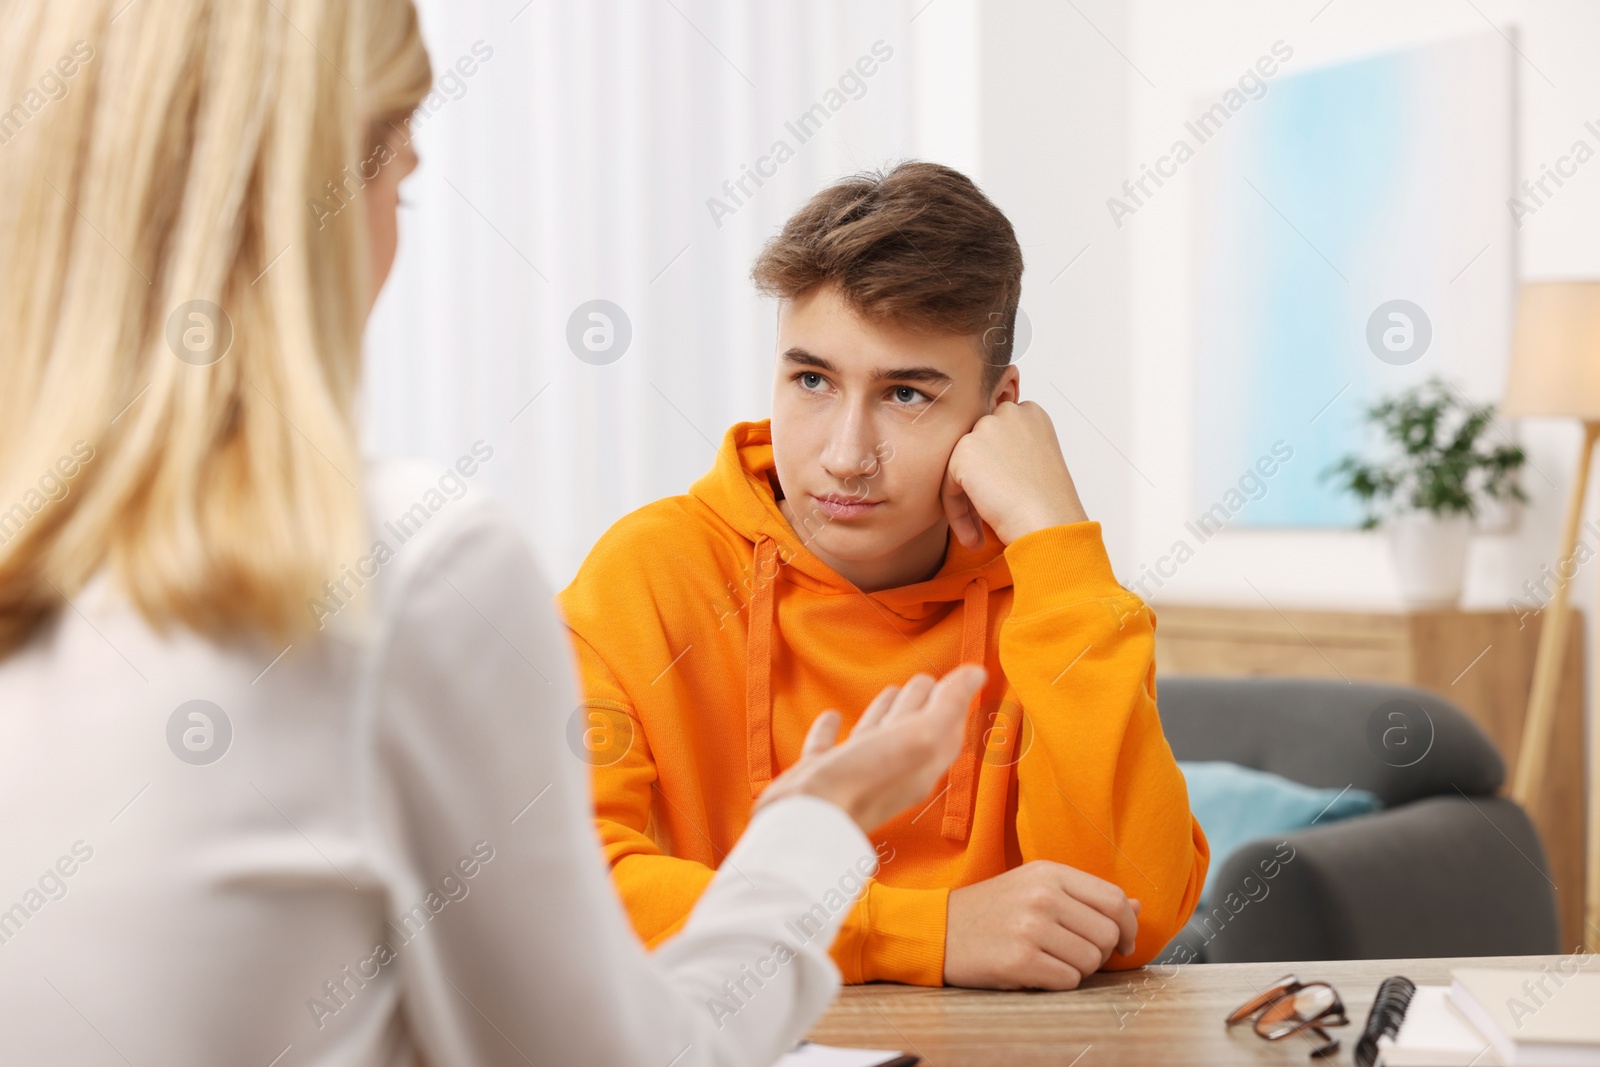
(738, 489)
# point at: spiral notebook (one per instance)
(1417, 1026)
(1487, 1018)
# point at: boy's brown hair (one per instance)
(919, 246)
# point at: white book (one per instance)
(1545, 1018)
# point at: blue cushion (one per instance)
(1237, 804)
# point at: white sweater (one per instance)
(380, 852)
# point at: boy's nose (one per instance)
(850, 452)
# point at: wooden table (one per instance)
(1145, 1018)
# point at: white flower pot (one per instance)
(1498, 516)
(1430, 556)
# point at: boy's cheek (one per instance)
(914, 493)
(795, 453)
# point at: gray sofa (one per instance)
(1445, 869)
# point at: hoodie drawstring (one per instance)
(758, 667)
(964, 771)
(963, 779)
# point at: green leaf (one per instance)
(1435, 456)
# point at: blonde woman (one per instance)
(275, 790)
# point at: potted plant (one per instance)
(1429, 488)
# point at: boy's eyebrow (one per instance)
(801, 357)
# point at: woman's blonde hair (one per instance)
(160, 163)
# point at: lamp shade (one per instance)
(1555, 358)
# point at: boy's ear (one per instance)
(1008, 388)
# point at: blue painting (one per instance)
(1354, 234)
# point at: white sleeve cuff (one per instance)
(810, 843)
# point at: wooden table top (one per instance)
(1148, 1017)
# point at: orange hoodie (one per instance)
(708, 639)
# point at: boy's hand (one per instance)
(1043, 925)
(1008, 471)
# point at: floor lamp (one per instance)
(1555, 372)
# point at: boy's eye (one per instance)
(907, 395)
(809, 379)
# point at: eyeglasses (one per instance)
(1292, 1007)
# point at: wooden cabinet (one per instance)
(1481, 661)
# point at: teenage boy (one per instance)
(900, 513)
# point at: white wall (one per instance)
(1055, 107)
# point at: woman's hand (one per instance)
(901, 745)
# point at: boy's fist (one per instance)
(1008, 471)
(1043, 925)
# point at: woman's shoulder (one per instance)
(413, 505)
(456, 582)
(426, 522)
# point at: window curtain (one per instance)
(572, 288)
